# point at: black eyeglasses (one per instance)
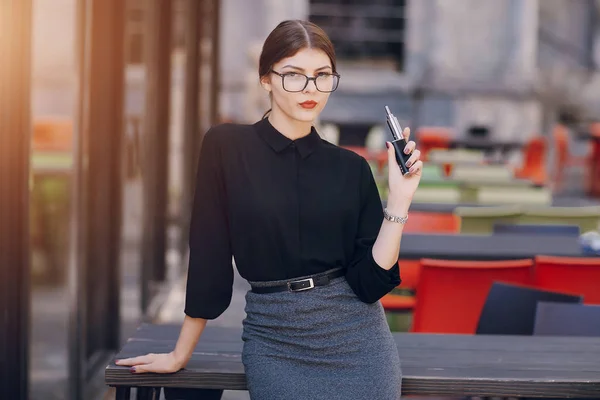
(296, 82)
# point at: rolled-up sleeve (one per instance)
(210, 271)
(367, 279)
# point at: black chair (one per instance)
(560, 319)
(510, 309)
(559, 230)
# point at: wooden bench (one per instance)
(432, 365)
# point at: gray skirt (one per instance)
(322, 343)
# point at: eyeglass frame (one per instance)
(308, 79)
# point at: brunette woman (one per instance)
(304, 221)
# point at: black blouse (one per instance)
(283, 209)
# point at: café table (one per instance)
(487, 247)
(432, 365)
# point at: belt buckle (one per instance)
(310, 281)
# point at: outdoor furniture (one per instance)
(421, 222)
(444, 208)
(398, 303)
(587, 218)
(514, 195)
(564, 157)
(430, 137)
(482, 219)
(485, 184)
(425, 222)
(451, 294)
(437, 193)
(579, 275)
(410, 269)
(431, 173)
(456, 156)
(409, 273)
(510, 309)
(446, 159)
(560, 230)
(562, 319)
(432, 365)
(498, 150)
(489, 173)
(534, 161)
(593, 185)
(487, 247)
(478, 247)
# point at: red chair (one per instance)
(409, 272)
(451, 294)
(577, 275)
(431, 222)
(422, 222)
(398, 303)
(534, 161)
(593, 181)
(429, 138)
(564, 158)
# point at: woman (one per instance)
(304, 221)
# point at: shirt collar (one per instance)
(279, 142)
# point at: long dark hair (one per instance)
(287, 39)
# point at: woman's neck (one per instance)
(290, 128)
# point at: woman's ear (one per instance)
(265, 82)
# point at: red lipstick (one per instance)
(308, 104)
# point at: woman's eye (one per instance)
(323, 74)
(291, 74)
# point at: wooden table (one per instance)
(487, 247)
(437, 365)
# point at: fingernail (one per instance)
(408, 164)
(411, 170)
(406, 150)
(387, 144)
(132, 369)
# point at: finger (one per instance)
(406, 133)
(142, 368)
(410, 147)
(145, 359)
(416, 156)
(416, 168)
(391, 152)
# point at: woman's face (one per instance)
(305, 105)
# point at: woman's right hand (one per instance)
(159, 363)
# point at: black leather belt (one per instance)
(301, 284)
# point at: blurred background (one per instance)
(103, 105)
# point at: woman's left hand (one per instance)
(402, 187)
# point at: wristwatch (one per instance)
(393, 218)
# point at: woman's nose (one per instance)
(311, 86)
